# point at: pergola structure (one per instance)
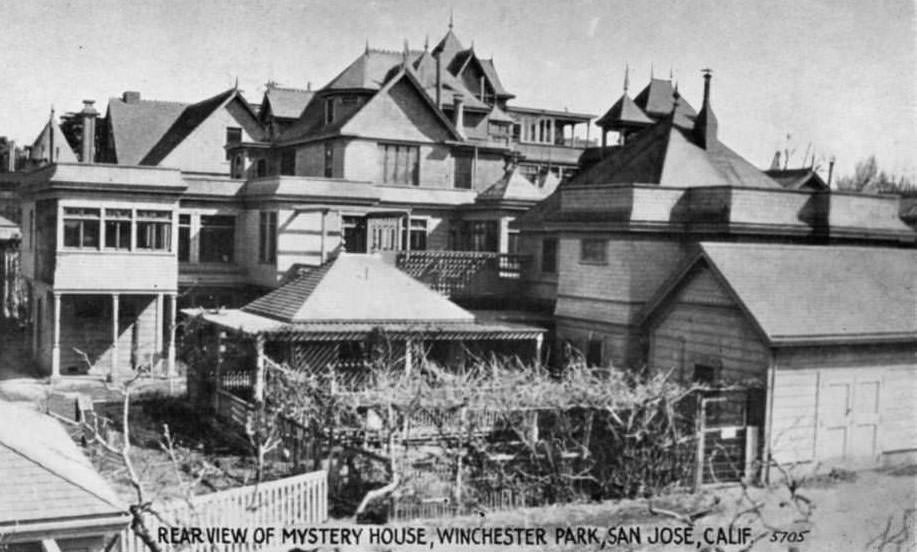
(327, 316)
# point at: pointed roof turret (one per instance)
(448, 47)
(705, 126)
(624, 112)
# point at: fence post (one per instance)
(699, 432)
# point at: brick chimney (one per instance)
(705, 126)
(458, 112)
(130, 97)
(88, 147)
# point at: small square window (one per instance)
(593, 251)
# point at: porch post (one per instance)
(115, 326)
(259, 369)
(55, 347)
(408, 355)
(324, 213)
(539, 343)
(170, 353)
(157, 343)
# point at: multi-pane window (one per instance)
(217, 238)
(154, 230)
(416, 235)
(117, 228)
(549, 255)
(288, 162)
(400, 164)
(267, 237)
(81, 227)
(329, 160)
(484, 235)
(233, 136)
(593, 251)
(184, 238)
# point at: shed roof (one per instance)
(45, 476)
(798, 294)
(356, 288)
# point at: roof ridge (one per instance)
(57, 473)
(290, 89)
(143, 100)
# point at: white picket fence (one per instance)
(297, 500)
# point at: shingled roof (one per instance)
(52, 134)
(45, 476)
(512, 186)
(286, 103)
(624, 111)
(657, 98)
(191, 117)
(137, 125)
(356, 288)
(667, 155)
(801, 294)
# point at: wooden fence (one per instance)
(297, 500)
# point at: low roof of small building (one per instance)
(797, 179)
(356, 288)
(8, 229)
(46, 478)
(807, 294)
(512, 186)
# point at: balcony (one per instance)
(465, 274)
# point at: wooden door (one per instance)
(848, 413)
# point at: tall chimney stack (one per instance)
(89, 114)
(458, 112)
(705, 126)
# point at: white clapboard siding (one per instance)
(794, 416)
(898, 430)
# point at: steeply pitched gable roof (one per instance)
(286, 103)
(448, 48)
(356, 288)
(137, 126)
(487, 65)
(45, 476)
(63, 151)
(371, 70)
(657, 98)
(800, 294)
(191, 117)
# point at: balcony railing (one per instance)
(464, 273)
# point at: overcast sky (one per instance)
(839, 75)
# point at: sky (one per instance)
(833, 77)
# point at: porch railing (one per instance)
(463, 272)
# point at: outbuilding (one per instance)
(830, 333)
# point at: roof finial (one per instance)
(626, 76)
(366, 51)
(671, 74)
(235, 85)
(426, 43)
(651, 71)
(451, 19)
